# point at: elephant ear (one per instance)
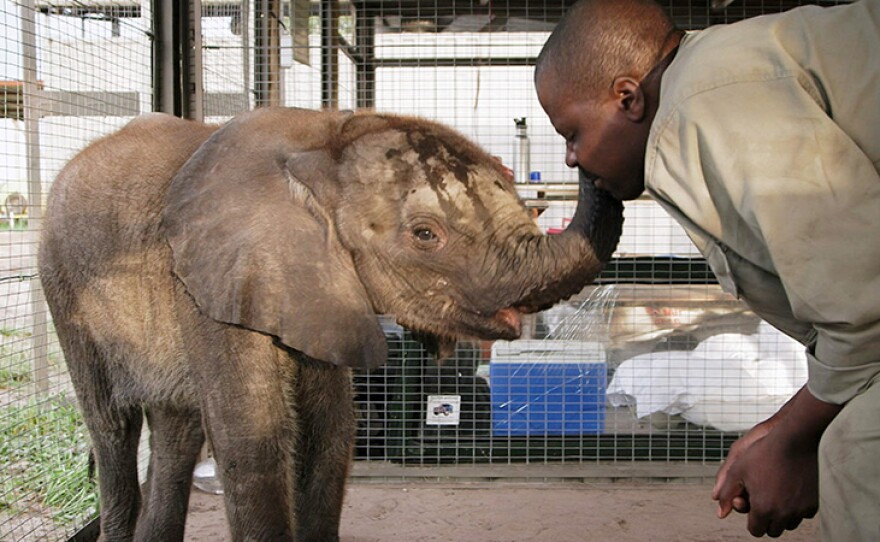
(254, 247)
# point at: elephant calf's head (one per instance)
(304, 224)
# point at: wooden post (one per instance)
(39, 309)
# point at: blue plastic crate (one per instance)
(547, 388)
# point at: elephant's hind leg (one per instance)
(176, 438)
(327, 430)
(116, 456)
(115, 430)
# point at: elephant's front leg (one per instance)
(247, 394)
(327, 431)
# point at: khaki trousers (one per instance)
(849, 472)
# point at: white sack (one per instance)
(730, 382)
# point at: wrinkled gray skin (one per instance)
(225, 280)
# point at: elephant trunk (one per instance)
(555, 267)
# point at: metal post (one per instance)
(365, 25)
(164, 94)
(31, 99)
(329, 52)
(196, 88)
(174, 58)
(267, 53)
(183, 39)
(245, 50)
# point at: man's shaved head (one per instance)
(599, 40)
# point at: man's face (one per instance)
(598, 138)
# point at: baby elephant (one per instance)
(225, 279)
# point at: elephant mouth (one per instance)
(503, 324)
(510, 321)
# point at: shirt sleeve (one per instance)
(787, 190)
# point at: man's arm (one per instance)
(792, 195)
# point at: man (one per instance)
(762, 138)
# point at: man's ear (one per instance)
(629, 97)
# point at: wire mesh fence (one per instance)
(71, 72)
(652, 365)
(656, 363)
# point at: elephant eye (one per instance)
(424, 235)
(427, 235)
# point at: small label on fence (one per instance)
(443, 410)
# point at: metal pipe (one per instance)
(267, 58)
(198, 87)
(245, 51)
(329, 60)
(164, 81)
(365, 35)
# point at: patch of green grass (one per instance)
(15, 369)
(14, 332)
(15, 357)
(20, 224)
(44, 455)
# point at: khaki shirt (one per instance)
(766, 147)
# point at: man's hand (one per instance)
(772, 472)
(775, 483)
(739, 500)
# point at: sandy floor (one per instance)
(517, 512)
